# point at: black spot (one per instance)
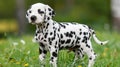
(40, 12)
(40, 51)
(51, 33)
(84, 26)
(45, 41)
(78, 53)
(84, 39)
(80, 33)
(43, 26)
(68, 41)
(53, 38)
(50, 42)
(53, 23)
(62, 25)
(72, 32)
(38, 31)
(90, 58)
(67, 34)
(54, 54)
(82, 49)
(94, 53)
(101, 43)
(53, 27)
(36, 34)
(55, 46)
(26, 13)
(56, 42)
(83, 55)
(45, 52)
(84, 33)
(50, 14)
(48, 18)
(47, 25)
(89, 27)
(61, 36)
(89, 36)
(87, 45)
(62, 41)
(77, 40)
(53, 12)
(80, 29)
(49, 47)
(42, 38)
(46, 35)
(42, 45)
(93, 32)
(49, 9)
(36, 39)
(67, 23)
(58, 35)
(52, 59)
(49, 39)
(58, 29)
(56, 50)
(73, 42)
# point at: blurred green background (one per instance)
(95, 13)
(20, 51)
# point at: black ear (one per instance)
(53, 13)
(49, 12)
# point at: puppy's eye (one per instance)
(40, 12)
(30, 11)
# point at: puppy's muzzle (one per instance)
(33, 18)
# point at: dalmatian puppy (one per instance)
(53, 36)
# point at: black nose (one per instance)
(33, 18)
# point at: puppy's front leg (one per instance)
(42, 55)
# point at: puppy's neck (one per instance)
(45, 24)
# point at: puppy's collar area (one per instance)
(43, 24)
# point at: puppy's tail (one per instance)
(96, 39)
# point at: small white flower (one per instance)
(28, 52)
(34, 40)
(15, 43)
(22, 41)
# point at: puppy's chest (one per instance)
(43, 37)
(39, 37)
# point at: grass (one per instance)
(14, 52)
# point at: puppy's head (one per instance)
(39, 13)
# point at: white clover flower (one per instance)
(28, 52)
(34, 40)
(23, 42)
(15, 43)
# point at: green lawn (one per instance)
(14, 53)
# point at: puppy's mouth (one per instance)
(34, 23)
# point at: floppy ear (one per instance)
(49, 13)
(27, 14)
